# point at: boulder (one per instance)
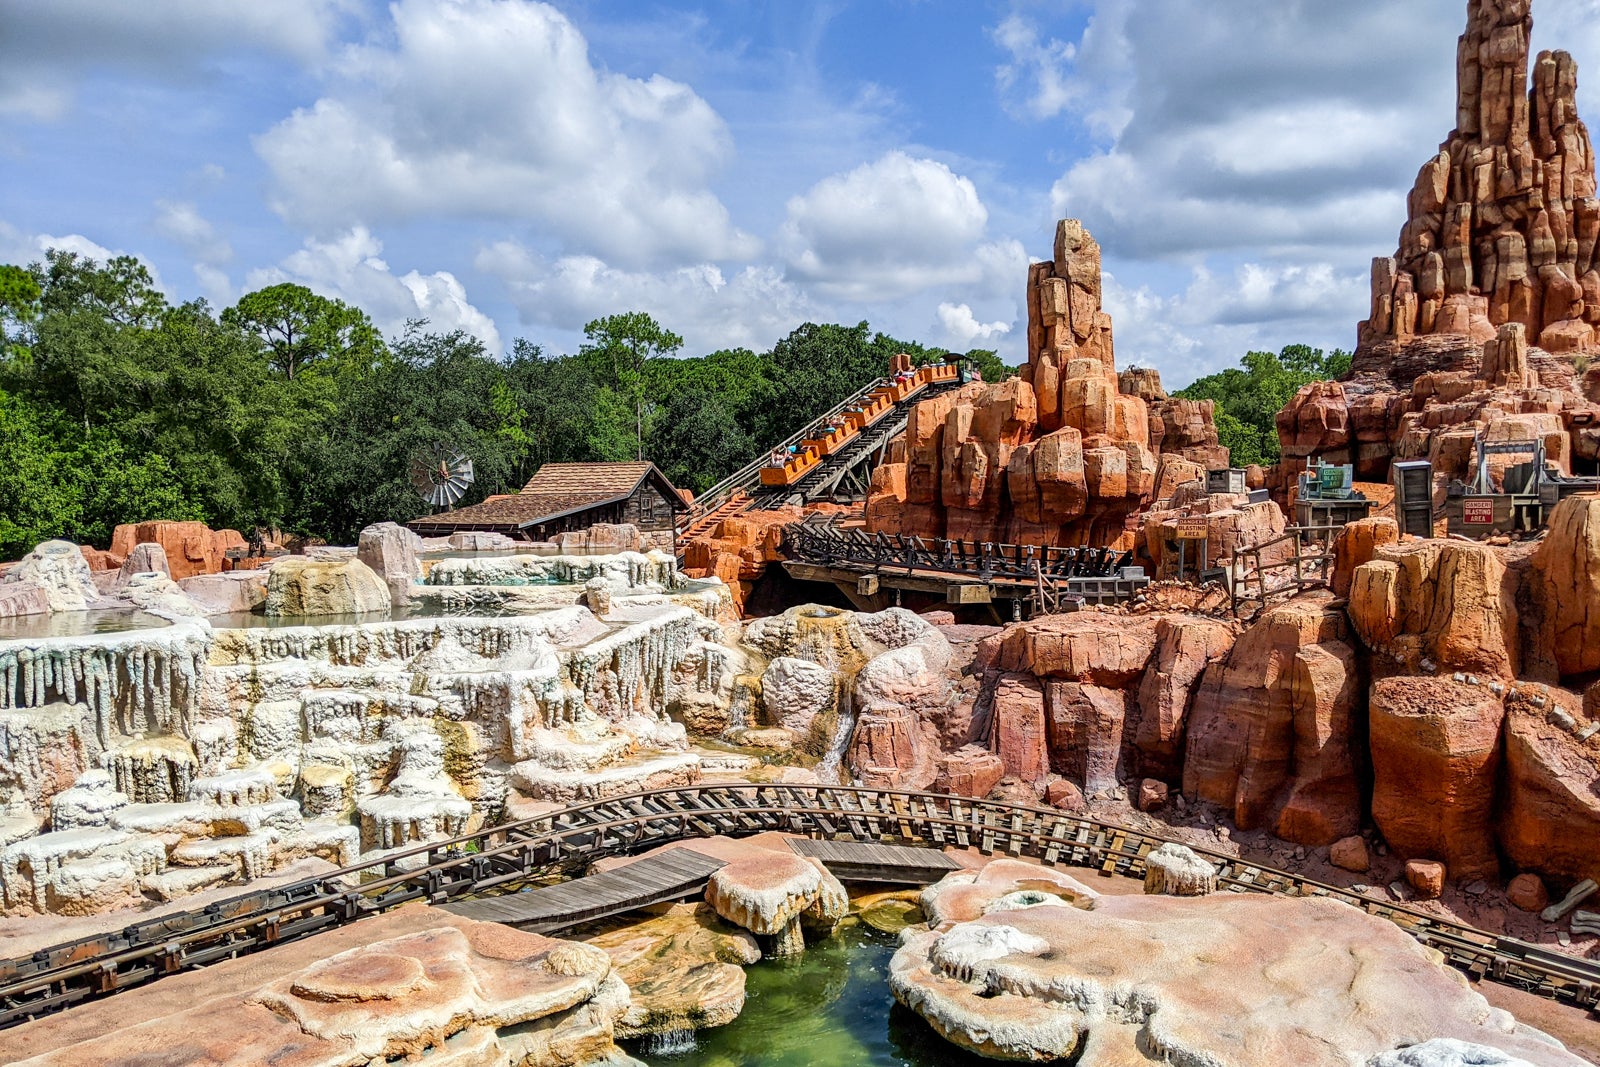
(1350, 854)
(1426, 878)
(1060, 793)
(1527, 892)
(603, 539)
(970, 771)
(768, 893)
(228, 593)
(1178, 871)
(1435, 756)
(23, 598)
(1152, 795)
(394, 554)
(147, 558)
(297, 586)
(59, 570)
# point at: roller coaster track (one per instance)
(566, 841)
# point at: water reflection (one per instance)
(77, 624)
(829, 1006)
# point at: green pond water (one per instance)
(830, 1007)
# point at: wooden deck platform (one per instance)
(669, 875)
(859, 861)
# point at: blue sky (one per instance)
(516, 168)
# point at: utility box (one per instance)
(1226, 480)
(1413, 497)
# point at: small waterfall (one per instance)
(668, 1043)
(830, 771)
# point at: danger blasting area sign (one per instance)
(1477, 511)
(1191, 529)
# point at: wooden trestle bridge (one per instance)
(565, 842)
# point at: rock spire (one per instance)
(1502, 223)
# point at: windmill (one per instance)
(440, 473)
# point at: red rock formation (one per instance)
(1435, 754)
(1566, 568)
(1269, 733)
(1498, 253)
(1549, 818)
(1061, 455)
(1502, 222)
(1428, 605)
(192, 548)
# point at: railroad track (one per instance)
(566, 841)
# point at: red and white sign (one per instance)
(1478, 511)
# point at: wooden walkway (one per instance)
(855, 861)
(668, 875)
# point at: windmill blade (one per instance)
(440, 474)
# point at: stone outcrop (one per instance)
(682, 968)
(191, 548)
(1549, 819)
(1020, 974)
(297, 586)
(394, 554)
(57, 571)
(1435, 757)
(1270, 730)
(1065, 454)
(769, 892)
(1437, 605)
(1566, 567)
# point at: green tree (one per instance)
(1248, 399)
(625, 343)
(300, 329)
(19, 310)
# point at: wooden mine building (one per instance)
(565, 497)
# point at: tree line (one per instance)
(291, 411)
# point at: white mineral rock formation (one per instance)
(1178, 871)
(768, 894)
(394, 554)
(59, 569)
(1246, 980)
(794, 692)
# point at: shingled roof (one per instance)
(557, 489)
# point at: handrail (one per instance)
(58, 977)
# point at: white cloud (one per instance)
(885, 229)
(350, 267)
(1039, 67)
(710, 310)
(1220, 315)
(181, 222)
(22, 249)
(961, 328)
(493, 109)
(49, 47)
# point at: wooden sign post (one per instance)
(1191, 528)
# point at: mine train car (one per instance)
(830, 437)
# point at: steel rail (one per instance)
(569, 839)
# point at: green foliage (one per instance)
(989, 365)
(1248, 400)
(301, 330)
(623, 344)
(289, 410)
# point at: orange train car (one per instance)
(878, 404)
